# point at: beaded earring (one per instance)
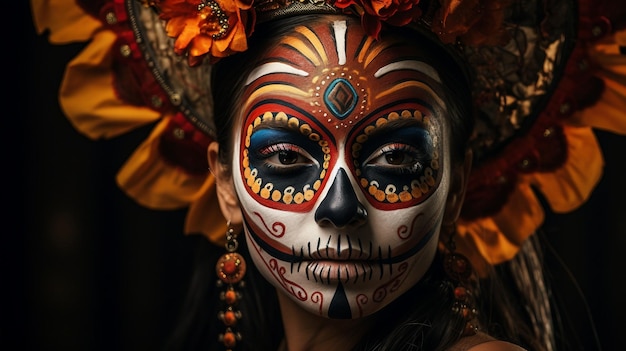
(230, 268)
(459, 269)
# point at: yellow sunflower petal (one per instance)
(608, 113)
(67, 22)
(500, 237)
(496, 239)
(519, 218)
(568, 187)
(88, 97)
(478, 240)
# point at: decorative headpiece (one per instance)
(218, 28)
(545, 72)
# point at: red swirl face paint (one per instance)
(342, 167)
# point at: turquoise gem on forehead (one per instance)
(340, 98)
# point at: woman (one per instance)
(340, 254)
(342, 157)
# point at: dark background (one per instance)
(85, 268)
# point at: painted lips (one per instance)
(346, 271)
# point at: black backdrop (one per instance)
(88, 269)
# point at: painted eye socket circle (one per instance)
(285, 157)
(396, 158)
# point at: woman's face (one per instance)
(341, 167)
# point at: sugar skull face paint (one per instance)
(341, 168)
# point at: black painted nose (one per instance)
(341, 206)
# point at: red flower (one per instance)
(474, 22)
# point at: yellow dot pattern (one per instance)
(267, 190)
(391, 193)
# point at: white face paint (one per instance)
(342, 169)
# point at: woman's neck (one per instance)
(305, 331)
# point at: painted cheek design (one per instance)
(417, 171)
(284, 160)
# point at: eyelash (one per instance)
(416, 156)
(303, 158)
(271, 150)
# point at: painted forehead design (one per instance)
(318, 82)
(338, 70)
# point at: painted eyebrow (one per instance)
(413, 65)
(394, 125)
(276, 125)
(271, 68)
(282, 127)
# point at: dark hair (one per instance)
(408, 323)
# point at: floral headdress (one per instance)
(545, 72)
(219, 28)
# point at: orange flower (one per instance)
(215, 27)
(474, 22)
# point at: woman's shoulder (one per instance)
(483, 342)
(496, 345)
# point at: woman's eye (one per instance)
(396, 156)
(288, 157)
(285, 155)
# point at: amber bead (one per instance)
(230, 318)
(229, 339)
(230, 297)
